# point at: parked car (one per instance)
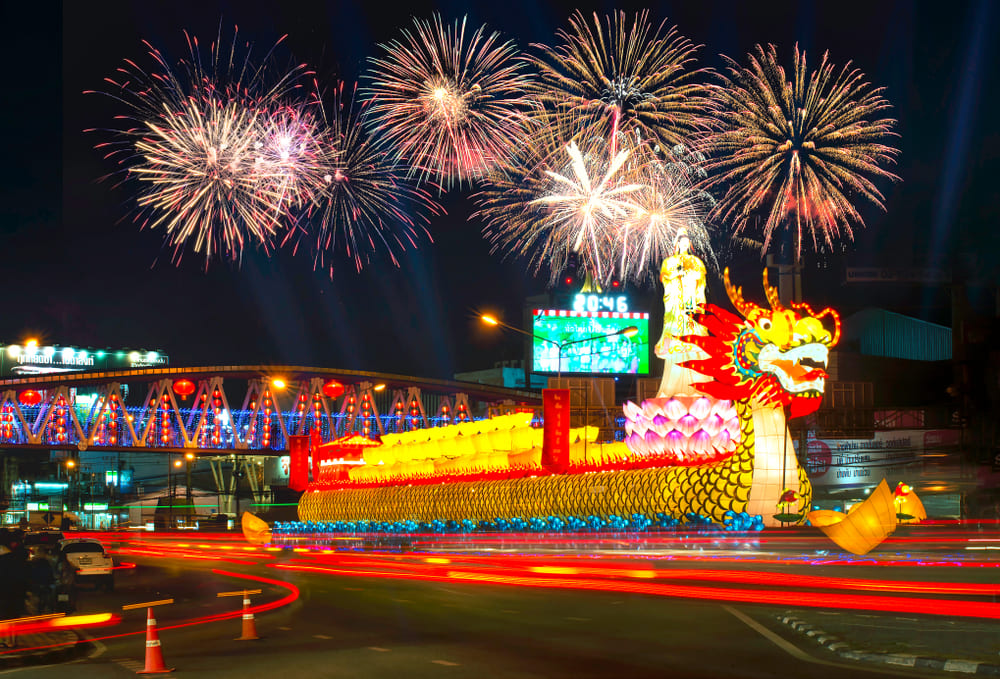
(37, 538)
(90, 561)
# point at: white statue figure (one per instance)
(683, 278)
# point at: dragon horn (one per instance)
(772, 295)
(736, 295)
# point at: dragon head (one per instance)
(777, 356)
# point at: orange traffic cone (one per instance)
(249, 632)
(154, 654)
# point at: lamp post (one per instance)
(630, 331)
(189, 497)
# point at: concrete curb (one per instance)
(72, 645)
(844, 650)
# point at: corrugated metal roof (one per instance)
(884, 333)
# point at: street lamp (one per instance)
(188, 497)
(630, 331)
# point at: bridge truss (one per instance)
(232, 408)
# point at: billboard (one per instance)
(896, 455)
(586, 342)
(31, 359)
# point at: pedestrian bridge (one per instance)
(222, 409)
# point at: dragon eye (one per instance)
(765, 324)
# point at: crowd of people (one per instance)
(33, 583)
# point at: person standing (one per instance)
(65, 588)
(41, 569)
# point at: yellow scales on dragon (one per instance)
(723, 440)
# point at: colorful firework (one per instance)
(795, 152)
(670, 203)
(572, 203)
(450, 108)
(623, 76)
(215, 152)
(359, 202)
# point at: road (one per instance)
(356, 626)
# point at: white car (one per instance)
(91, 562)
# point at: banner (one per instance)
(298, 468)
(555, 436)
(896, 455)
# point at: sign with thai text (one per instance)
(31, 359)
(555, 436)
(894, 455)
(298, 468)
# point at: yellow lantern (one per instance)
(865, 526)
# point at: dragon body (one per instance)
(716, 434)
(764, 361)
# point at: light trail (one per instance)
(790, 597)
(290, 597)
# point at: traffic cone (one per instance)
(154, 654)
(249, 624)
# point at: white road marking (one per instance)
(794, 650)
(354, 589)
(321, 636)
(961, 666)
(379, 649)
(287, 629)
(99, 649)
(129, 664)
(445, 662)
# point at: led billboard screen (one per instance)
(586, 344)
(31, 359)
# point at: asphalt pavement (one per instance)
(377, 627)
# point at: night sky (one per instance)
(78, 272)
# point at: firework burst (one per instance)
(795, 152)
(216, 154)
(574, 202)
(451, 106)
(669, 203)
(623, 76)
(359, 203)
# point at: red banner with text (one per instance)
(298, 468)
(555, 436)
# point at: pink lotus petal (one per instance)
(688, 424)
(701, 408)
(701, 442)
(674, 409)
(712, 425)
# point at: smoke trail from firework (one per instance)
(623, 76)
(451, 106)
(794, 153)
(359, 203)
(215, 152)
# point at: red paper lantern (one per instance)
(183, 388)
(333, 389)
(29, 397)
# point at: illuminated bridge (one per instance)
(225, 409)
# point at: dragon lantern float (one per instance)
(713, 441)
